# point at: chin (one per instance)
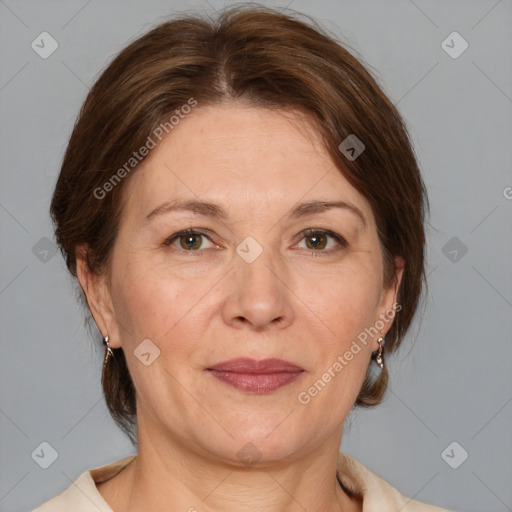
(258, 443)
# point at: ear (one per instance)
(97, 292)
(389, 295)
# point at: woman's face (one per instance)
(258, 278)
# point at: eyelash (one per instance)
(308, 232)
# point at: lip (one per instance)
(247, 365)
(255, 376)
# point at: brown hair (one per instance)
(268, 59)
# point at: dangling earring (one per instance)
(379, 359)
(108, 352)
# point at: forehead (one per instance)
(243, 157)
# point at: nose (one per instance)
(259, 295)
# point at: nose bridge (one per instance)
(258, 295)
(254, 267)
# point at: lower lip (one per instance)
(256, 382)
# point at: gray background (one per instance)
(452, 379)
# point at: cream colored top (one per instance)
(378, 495)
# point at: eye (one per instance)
(189, 240)
(317, 240)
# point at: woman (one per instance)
(242, 208)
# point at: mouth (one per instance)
(256, 376)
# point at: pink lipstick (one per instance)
(256, 376)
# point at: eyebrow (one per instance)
(207, 209)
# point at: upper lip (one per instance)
(247, 365)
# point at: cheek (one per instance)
(341, 348)
(140, 301)
(346, 301)
(150, 307)
(150, 304)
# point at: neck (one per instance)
(166, 472)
